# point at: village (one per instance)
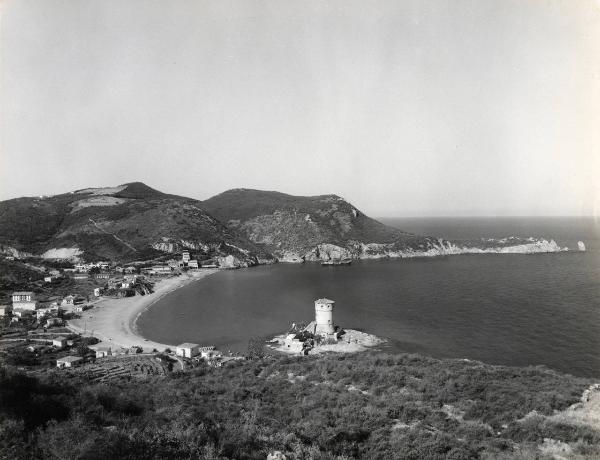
(36, 334)
(45, 328)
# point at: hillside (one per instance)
(128, 222)
(370, 406)
(309, 228)
(136, 222)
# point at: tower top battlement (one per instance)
(324, 300)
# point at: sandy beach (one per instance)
(114, 320)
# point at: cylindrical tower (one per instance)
(324, 316)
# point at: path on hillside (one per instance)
(112, 234)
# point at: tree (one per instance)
(82, 349)
(256, 348)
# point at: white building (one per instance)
(185, 256)
(294, 344)
(68, 361)
(102, 352)
(187, 350)
(54, 322)
(24, 300)
(59, 342)
(193, 263)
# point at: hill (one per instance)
(309, 228)
(128, 222)
(136, 222)
(371, 406)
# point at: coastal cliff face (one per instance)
(321, 228)
(296, 229)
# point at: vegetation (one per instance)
(287, 224)
(370, 405)
(137, 217)
(15, 276)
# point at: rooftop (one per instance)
(188, 345)
(323, 300)
(69, 359)
(23, 293)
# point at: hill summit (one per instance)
(134, 222)
(319, 227)
(128, 222)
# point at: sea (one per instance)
(508, 309)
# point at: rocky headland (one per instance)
(237, 228)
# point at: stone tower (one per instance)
(324, 316)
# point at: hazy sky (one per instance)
(405, 108)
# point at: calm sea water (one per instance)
(500, 309)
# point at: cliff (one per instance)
(325, 227)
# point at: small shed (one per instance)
(102, 352)
(59, 342)
(54, 322)
(68, 361)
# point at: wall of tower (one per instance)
(324, 318)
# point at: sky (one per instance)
(404, 108)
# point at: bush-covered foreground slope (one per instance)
(371, 405)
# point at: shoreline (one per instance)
(352, 341)
(114, 321)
